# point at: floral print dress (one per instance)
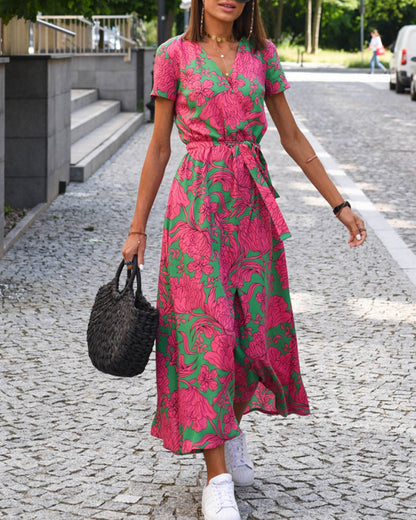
(226, 324)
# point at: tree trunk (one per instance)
(308, 27)
(170, 19)
(271, 25)
(279, 21)
(316, 26)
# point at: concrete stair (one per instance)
(98, 129)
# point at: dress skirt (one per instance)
(226, 324)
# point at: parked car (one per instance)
(413, 80)
(401, 64)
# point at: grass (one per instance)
(333, 57)
(12, 217)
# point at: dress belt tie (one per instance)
(250, 154)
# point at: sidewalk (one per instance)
(75, 443)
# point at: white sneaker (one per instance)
(218, 501)
(238, 461)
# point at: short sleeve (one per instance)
(275, 77)
(165, 72)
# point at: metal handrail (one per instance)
(109, 16)
(95, 18)
(55, 27)
(53, 34)
(106, 30)
(66, 17)
(81, 17)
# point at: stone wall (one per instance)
(145, 70)
(3, 62)
(124, 77)
(35, 126)
(37, 129)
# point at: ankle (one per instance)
(214, 474)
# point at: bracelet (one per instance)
(311, 159)
(337, 209)
(138, 233)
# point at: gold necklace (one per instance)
(220, 39)
(222, 55)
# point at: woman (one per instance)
(227, 343)
(376, 46)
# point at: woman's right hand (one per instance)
(134, 245)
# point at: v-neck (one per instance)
(227, 78)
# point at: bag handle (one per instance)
(132, 273)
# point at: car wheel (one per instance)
(392, 86)
(413, 89)
(399, 86)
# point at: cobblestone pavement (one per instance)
(76, 444)
(371, 131)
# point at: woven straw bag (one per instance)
(122, 327)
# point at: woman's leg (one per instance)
(215, 461)
(239, 409)
(373, 59)
(378, 64)
(214, 457)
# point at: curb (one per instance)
(14, 234)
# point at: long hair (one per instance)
(241, 27)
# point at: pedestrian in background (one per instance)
(377, 47)
(227, 343)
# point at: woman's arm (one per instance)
(299, 148)
(157, 157)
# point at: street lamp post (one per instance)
(186, 6)
(362, 9)
(161, 18)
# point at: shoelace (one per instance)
(223, 495)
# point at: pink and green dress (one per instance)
(226, 324)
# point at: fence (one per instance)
(72, 34)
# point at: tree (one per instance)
(279, 24)
(308, 27)
(29, 9)
(388, 16)
(316, 26)
(272, 11)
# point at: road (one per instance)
(75, 444)
(370, 130)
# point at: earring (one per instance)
(201, 25)
(250, 34)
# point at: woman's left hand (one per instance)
(355, 226)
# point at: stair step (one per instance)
(80, 97)
(91, 151)
(91, 116)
